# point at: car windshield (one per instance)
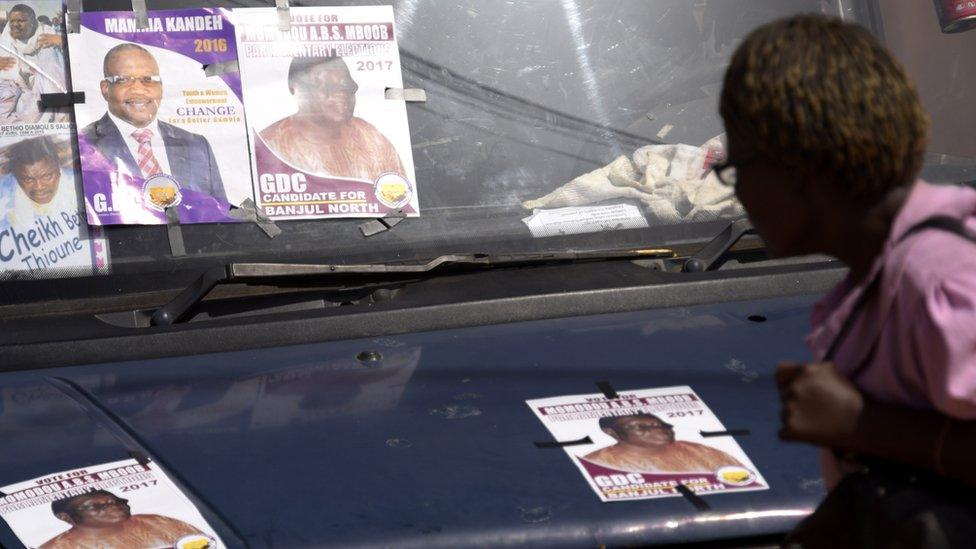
(556, 125)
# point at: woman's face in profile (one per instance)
(774, 197)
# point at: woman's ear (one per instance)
(611, 432)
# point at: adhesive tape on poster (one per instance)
(411, 95)
(67, 99)
(284, 17)
(224, 67)
(142, 16)
(247, 211)
(376, 226)
(607, 390)
(174, 232)
(72, 16)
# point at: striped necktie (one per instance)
(148, 164)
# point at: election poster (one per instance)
(31, 62)
(326, 142)
(158, 137)
(43, 231)
(119, 505)
(646, 442)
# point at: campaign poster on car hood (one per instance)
(646, 442)
(156, 134)
(119, 505)
(326, 142)
(43, 231)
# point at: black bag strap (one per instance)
(940, 222)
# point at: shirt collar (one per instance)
(126, 128)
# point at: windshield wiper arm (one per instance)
(707, 257)
(178, 309)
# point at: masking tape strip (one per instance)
(247, 211)
(49, 100)
(224, 67)
(72, 16)
(175, 233)
(410, 95)
(381, 224)
(554, 444)
(607, 390)
(372, 227)
(140, 457)
(142, 17)
(692, 497)
(729, 433)
(284, 17)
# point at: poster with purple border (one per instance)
(119, 504)
(645, 442)
(156, 134)
(326, 141)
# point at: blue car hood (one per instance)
(425, 439)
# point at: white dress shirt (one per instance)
(158, 148)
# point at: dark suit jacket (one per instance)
(190, 157)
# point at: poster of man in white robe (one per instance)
(648, 444)
(32, 61)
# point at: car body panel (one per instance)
(432, 445)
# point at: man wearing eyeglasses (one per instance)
(131, 138)
(101, 519)
(324, 137)
(646, 444)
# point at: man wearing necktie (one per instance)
(131, 138)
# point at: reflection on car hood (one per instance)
(425, 439)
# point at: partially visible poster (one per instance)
(155, 132)
(118, 505)
(646, 442)
(31, 61)
(326, 143)
(43, 231)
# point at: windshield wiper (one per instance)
(707, 258)
(178, 309)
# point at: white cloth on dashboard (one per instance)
(674, 182)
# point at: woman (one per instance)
(826, 136)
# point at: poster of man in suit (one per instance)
(160, 139)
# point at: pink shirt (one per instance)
(923, 318)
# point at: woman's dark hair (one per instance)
(816, 93)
